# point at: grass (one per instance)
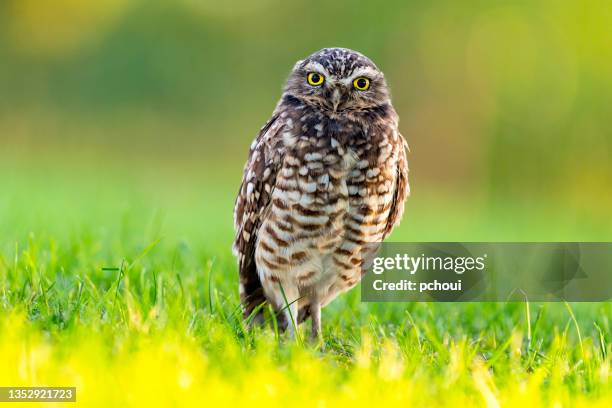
(126, 289)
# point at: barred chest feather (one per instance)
(333, 195)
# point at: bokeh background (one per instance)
(124, 127)
(141, 112)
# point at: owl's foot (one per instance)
(315, 316)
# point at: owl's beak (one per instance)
(336, 98)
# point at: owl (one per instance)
(326, 176)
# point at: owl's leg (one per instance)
(315, 316)
(285, 296)
(291, 315)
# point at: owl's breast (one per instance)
(312, 192)
(330, 200)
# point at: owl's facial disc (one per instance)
(338, 80)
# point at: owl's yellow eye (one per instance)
(361, 83)
(315, 79)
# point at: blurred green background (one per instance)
(148, 108)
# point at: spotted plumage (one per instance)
(325, 177)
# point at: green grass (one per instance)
(127, 289)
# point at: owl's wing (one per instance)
(402, 189)
(252, 203)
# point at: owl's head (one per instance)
(338, 80)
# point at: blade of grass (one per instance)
(210, 298)
(571, 312)
(291, 317)
(145, 252)
(602, 341)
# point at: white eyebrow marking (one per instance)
(315, 66)
(369, 72)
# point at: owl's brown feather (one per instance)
(251, 203)
(402, 190)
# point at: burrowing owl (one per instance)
(325, 176)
